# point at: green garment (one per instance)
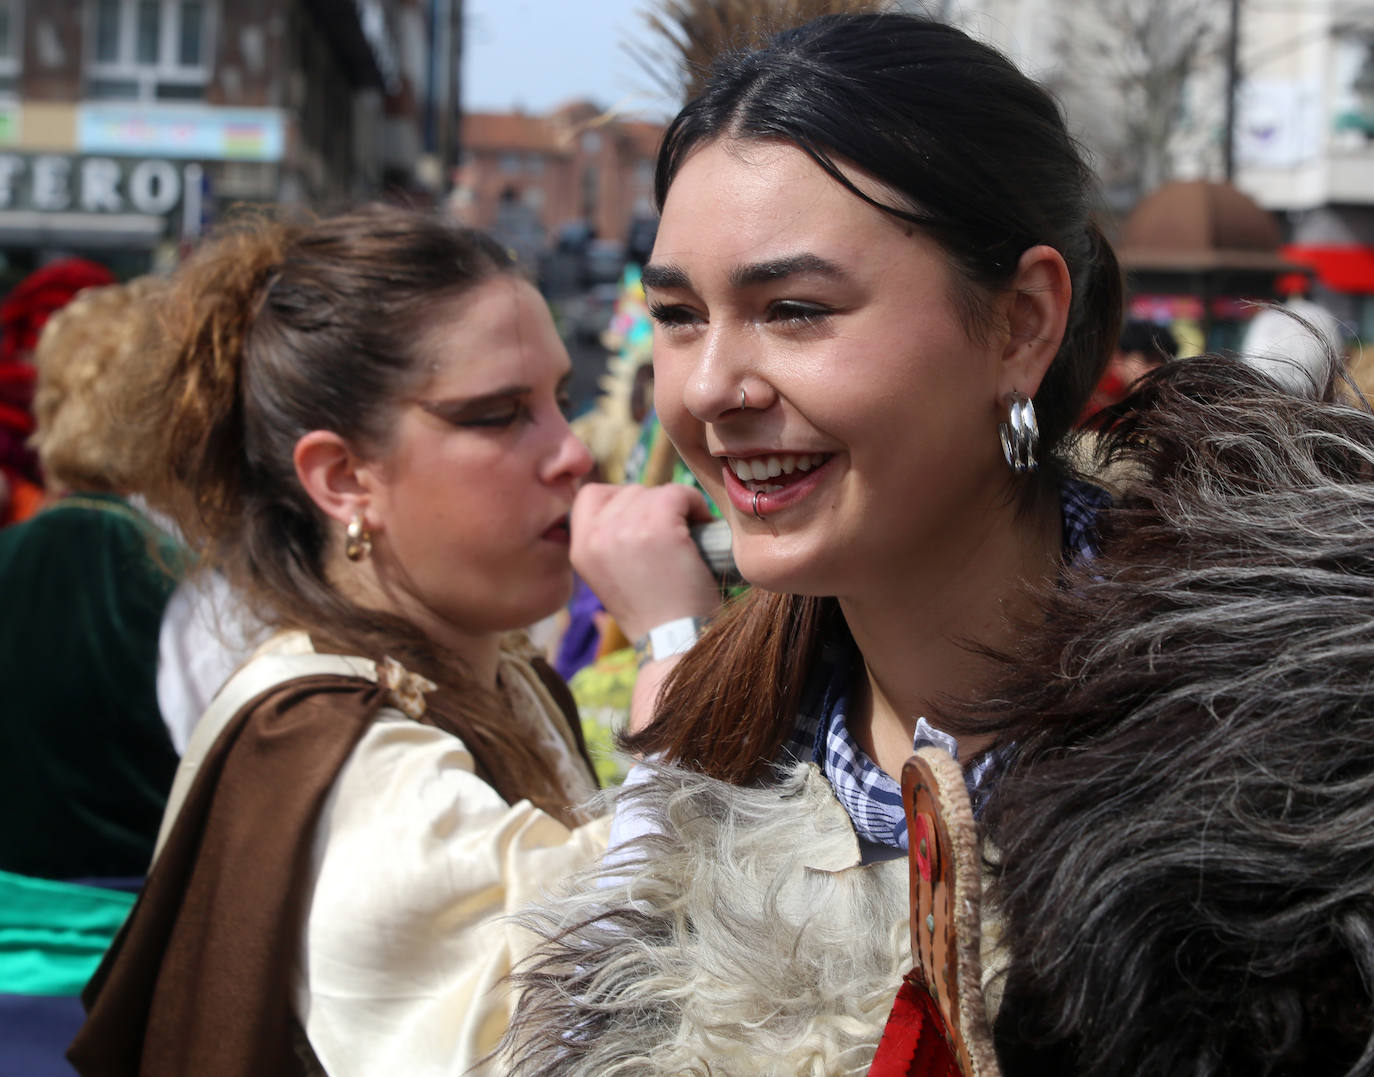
(85, 760)
(603, 691)
(53, 935)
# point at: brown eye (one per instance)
(672, 314)
(800, 314)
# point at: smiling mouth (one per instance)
(768, 474)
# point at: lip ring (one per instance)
(757, 515)
(740, 492)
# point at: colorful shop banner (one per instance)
(203, 132)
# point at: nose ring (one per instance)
(757, 515)
(743, 400)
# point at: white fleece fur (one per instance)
(745, 939)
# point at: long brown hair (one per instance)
(985, 167)
(277, 328)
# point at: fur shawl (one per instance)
(740, 936)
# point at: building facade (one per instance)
(575, 172)
(1302, 135)
(1305, 142)
(126, 126)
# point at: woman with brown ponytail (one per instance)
(362, 426)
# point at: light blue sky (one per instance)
(537, 54)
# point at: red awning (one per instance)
(1342, 269)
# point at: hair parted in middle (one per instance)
(279, 327)
(980, 160)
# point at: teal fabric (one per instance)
(53, 934)
(85, 760)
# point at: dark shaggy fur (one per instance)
(1186, 823)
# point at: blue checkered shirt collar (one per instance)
(871, 796)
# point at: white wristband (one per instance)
(668, 639)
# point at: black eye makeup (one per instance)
(495, 411)
(498, 410)
(671, 314)
(796, 313)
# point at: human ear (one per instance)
(332, 475)
(1037, 310)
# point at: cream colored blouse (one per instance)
(415, 863)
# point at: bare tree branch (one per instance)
(691, 33)
(1127, 65)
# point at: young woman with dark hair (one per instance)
(361, 424)
(880, 221)
(881, 302)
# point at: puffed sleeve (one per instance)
(416, 863)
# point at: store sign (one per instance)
(202, 132)
(54, 183)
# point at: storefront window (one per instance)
(149, 30)
(107, 31)
(149, 49)
(192, 47)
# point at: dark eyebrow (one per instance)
(779, 268)
(743, 276)
(495, 394)
(655, 275)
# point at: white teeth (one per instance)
(758, 468)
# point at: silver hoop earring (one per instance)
(1020, 435)
(358, 541)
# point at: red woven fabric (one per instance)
(23, 314)
(26, 309)
(913, 1043)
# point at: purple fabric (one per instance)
(578, 646)
(34, 1033)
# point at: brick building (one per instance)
(125, 125)
(528, 178)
